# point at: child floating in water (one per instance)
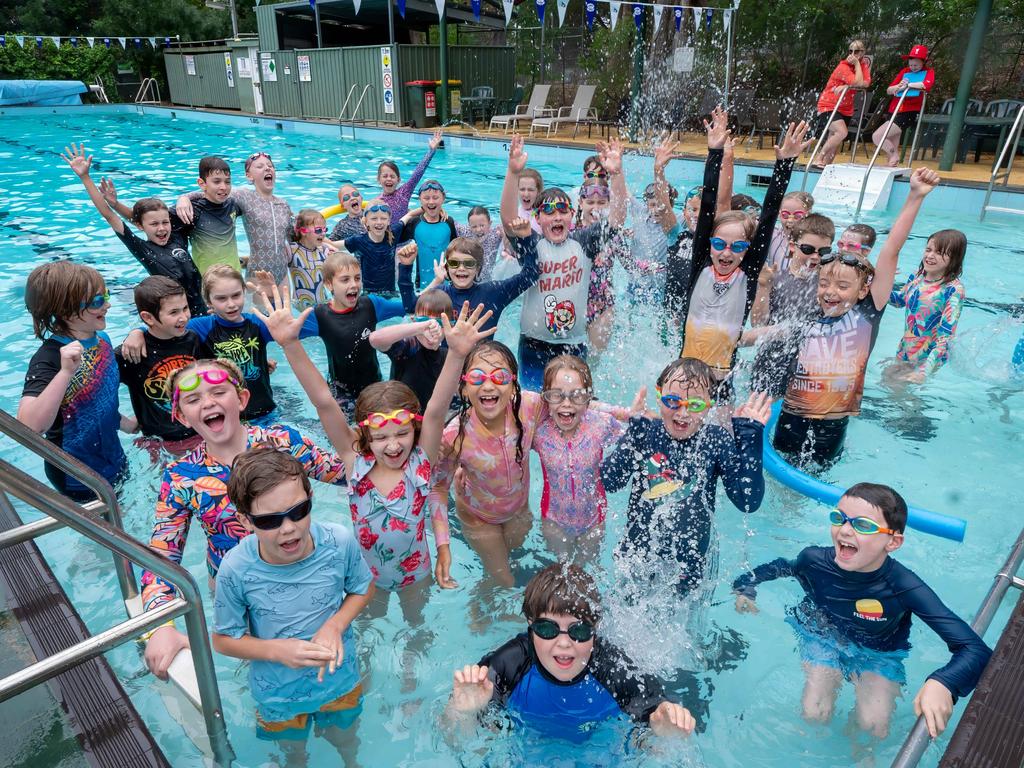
(854, 621)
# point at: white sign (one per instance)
(229, 70)
(682, 59)
(190, 65)
(387, 80)
(268, 67)
(244, 68)
(304, 73)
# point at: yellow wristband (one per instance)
(145, 637)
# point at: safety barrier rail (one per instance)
(822, 138)
(1009, 146)
(914, 747)
(874, 157)
(148, 87)
(91, 521)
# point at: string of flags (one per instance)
(127, 43)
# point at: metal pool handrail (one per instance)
(821, 139)
(874, 157)
(1010, 145)
(914, 747)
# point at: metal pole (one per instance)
(442, 92)
(963, 90)
(316, 18)
(543, 67)
(391, 30)
(728, 57)
(234, 19)
(638, 79)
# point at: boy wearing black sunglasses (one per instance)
(286, 598)
(559, 676)
(854, 621)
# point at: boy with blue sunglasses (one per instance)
(854, 620)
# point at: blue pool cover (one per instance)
(40, 93)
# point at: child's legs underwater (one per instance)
(493, 542)
(573, 546)
(818, 440)
(821, 688)
(876, 700)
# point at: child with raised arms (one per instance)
(165, 249)
(933, 298)
(395, 194)
(854, 620)
(489, 235)
(70, 392)
(826, 383)
(673, 465)
(307, 255)
(209, 397)
(794, 207)
(560, 677)
(286, 598)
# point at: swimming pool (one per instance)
(949, 447)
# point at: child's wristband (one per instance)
(147, 635)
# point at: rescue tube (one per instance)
(332, 210)
(923, 520)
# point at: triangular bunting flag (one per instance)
(401, 8)
(74, 42)
(562, 5)
(138, 42)
(20, 39)
(540, 10)
(708, 17)
(357, 3)
(3, 41)
(440, 8)
(91, 41)
(312, 4)
(696, 20)
(508, 6)
(123, 41)
(677, 12)
(591, 10)
(167, 42)
(152, 43)
(56, 41)
(638, 16)
(39, 42)
(475, 4)
(658, 10)
(614, 6)
(726, 20)
(106, 41)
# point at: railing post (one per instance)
(821, 139)
(878, 148)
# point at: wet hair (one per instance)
(739, 202)
(147, 205)
(390, 236)
(865, 271)
(304, 218)
(867, 233)
(479, 210)
(219, 272)
(562, 588)
(688, 369)
(572, 363)
(531, 173)
(151, 292)
(343, 187)
(434, 303)
(806, 199)
(885, 499)
(951, 243)
(260, 470)
(813, 224)
(466, 245)
(650, 191)
(389, 164)
(383, 397)
(592, 160)
(734, 217)
(491, 346)
(224, 364)
(55, 291)
(212, 164)
(337, 261)
(552, 194)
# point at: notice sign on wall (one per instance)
(190, 65)
(387, 78)
(304, 73)
(244, 68)
(268, 68)
(229, 70)
(430, 102)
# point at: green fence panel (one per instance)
(363, 68)
(281, 93)
(207, 85)
(323, 93)
(266, 27)
(472, 64)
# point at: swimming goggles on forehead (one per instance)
(577, 396)
(554, 206)
(256, 155)
(588, 191)
(546, 629)
(752, 210)
(96, 302)
(379, 208)
(736, 246)
(499, 376)
(274, 521)
(399, 417)
(846, 258)
(864, 525)
(214, 376)
(692, 404)
(695, 192)
(429, 185)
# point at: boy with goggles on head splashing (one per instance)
(854, 620)
(673, 465)
(559, 677)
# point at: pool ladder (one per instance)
(100, 522)
(355, 111)
(1001, 174)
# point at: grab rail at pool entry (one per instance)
(1001, 174)
(926, 521)
(821, 139)
(110, 536)
(914, 747)
(888, 127)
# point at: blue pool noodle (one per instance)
(923, 520)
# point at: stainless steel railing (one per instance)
(1010, 145)
(822, 138)
(148, 88)
(914, 747)
(878, 148)
(125, 550)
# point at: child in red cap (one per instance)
(917, 80)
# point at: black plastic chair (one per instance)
(480, 101)
(861, 117)
(767, 119)
(741, 109)
(974, 106)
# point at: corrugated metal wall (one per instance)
(208, 87)
(472, 64)
(266, 27)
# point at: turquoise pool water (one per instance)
(953, 446)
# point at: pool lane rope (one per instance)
(924, 520)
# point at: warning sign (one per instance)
(430, 103)
(387, 80)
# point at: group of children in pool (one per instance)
(462, 412)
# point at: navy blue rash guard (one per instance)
(682, 474)
(874, 610)
(610, 686)
(495, 295)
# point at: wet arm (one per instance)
(505, 291)
(885, 267)
(777, 569)
(385, 338)
(170, 531)
(945, 331)
(742, 465)
(761, 245)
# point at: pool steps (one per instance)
(839, 184)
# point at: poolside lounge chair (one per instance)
(579, 112)
(524, 112)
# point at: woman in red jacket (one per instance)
(853, 71)
(917, 80)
